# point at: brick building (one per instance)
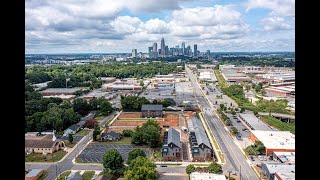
(151, 110)
(171, 149)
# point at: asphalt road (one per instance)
(235, 160)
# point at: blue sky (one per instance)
(106, 26)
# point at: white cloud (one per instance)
(155, 26)
(278, 7)
(126, 24)
(276, 23)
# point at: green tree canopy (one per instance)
(215, 168)
(112, 160)
(134, 153)
(190, 168)
(141, 168)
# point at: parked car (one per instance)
(251, 157)
(260, 158)
(163, 165)
(239, 138)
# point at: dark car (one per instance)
(163, 165)
(239, 137)
(251, 157)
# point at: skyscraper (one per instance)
(134, 52)
(163, 46)
(195, 51)
(150, 51)
(183, 46)
(155, 50)
(189, 52)
(166, 51)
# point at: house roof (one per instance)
(88, 117)
(105, 177)
(81, 123)
(74, 176)
(151, 107)
(200, 132)
(111, 133)
(174, 137)
(34, 172)
(40, 142)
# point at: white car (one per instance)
(260, 158)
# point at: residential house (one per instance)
(71, 130)
(34, 174)
(171, 148)
(151, 110)
(35, 143)
(201, 149)
(111, 136)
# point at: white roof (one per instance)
(62, 96)
(254, 122)
(276, 139)
(206, 176)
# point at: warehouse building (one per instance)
(282, 91)
(233, 74)
(60, 91)
(253, 122)
(269, 170)
(121, 86)
(171, 148)
(207, 76)
(274, 141)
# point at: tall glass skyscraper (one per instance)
(163, 47)
(183, 46)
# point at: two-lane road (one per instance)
(235, 160)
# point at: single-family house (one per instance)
(71, 130)
(111, 136)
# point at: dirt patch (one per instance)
(189, 114)
(132, 123)
(130, 115)
(171, 119)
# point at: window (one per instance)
(172, 153)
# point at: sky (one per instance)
(118, 26)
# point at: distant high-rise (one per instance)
(163, 46)
(134, 52)
(183, 46)
(166, 50)
(189, 51)
(195, 51)
(150, 51)
(155, 50)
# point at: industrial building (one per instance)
(171, 148)
(278, 77)
(62, 96)
(274, 141)
(121, 86)
(233, 75)
(207, 76)
(60, 91)
(253, 122)
(269, 170)
(284, 157)
(200, 147)
(282, 91)
(40, 85)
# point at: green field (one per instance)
(87, 175)
(63, 175)
(39, 157)
(81, 133)
(282, 126)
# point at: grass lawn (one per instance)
(282, 126)
(81, 133)
(38, 157)
(124, 140)
(99, 118)
(63, 175)
(43, 175)
(222, 82)
(87, 175)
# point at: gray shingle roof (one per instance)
(200, 132)
(151, 107)
(111, 133)
(174, 137)
(74, 127)
(74, 176)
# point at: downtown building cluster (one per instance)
(165, 51)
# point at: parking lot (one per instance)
(75, 138)
(93, 152)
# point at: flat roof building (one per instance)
(122, 86)
(60, 91)
(279, 141)
(253, 122)
(269, 169)
(207, 76)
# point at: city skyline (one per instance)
(119, 27)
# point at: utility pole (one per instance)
(240, 172)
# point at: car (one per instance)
(238, 120)
(244, 129)
(163, 165)
(239, 137)
(251, 157)
(260, 158)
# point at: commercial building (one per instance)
(200, 147)
(62, 96)
(163, 47)
(207, 76)
(284, 157)
(60, 91)
(284, 176)
(34, 174)
(35, 143)
(233, 74)
(269, 170)
(171, 148)
(195, 50)
(278, 77)
(206, 176)
(151, 110)
(253, 122)
(274, 141)
(40, 85)
(108, 79)
(282, 91)
(121, 86)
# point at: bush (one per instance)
(127, 133)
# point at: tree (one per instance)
(222, 106)
(105, 107)
(81, 106)
(127, 133)
(112, 161)
(141, 83)
(233, 112)
(148, 133)
(70, 138)
(228, 122)
(215, 168)
(190, 168)
(141, 168)
(133, 102)
(134, 153)
(90, 123)
(242, 110)
(96, 132)
(234, 130)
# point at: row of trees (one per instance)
(214, 167)
(134, 103)
(79, 75)
(139, 167)
(256, 149)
